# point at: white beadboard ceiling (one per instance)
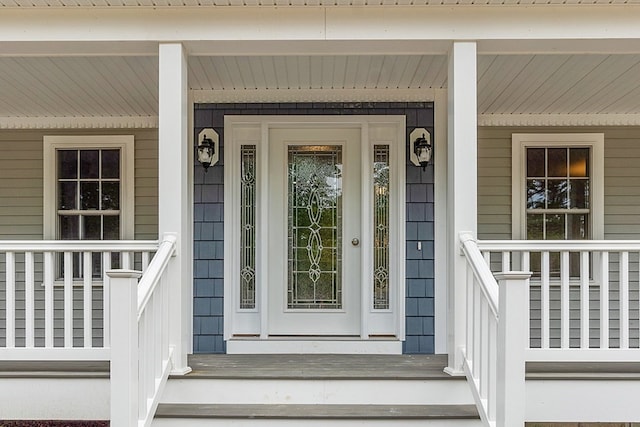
(295, 3)
(507, 84)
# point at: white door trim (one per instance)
(246, 330)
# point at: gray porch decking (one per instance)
(313, 366)
(328, 366)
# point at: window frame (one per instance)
(125, 143)
(522, 141)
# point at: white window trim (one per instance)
(123, 142)
(521, 141)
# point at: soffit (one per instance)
(507, 84)
(294, 3)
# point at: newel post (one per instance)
(124, 347)
(513, 334)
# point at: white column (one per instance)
(441, 288)
(512, 342)
(461, 186)
(174, 206)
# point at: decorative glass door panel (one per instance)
(314, 212)
(314, 227)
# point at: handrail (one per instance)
(481, 270)
(141, 348)
(558, 245)
(151, 278)
(495, 336)
(77, 245)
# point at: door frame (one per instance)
(246, 330)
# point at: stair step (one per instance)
(326, 412)
(317, 380)
(318, 366)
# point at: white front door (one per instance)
(314, 252)
(314, 233)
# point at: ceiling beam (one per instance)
(320, 30)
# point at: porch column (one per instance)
(174, 201)
(461, 186)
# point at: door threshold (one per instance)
(313, 345)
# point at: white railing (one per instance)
(141, 351)
(584, 296)
(56, 296)
(495, 339)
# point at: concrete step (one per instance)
(312, 415)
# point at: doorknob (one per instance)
(355, 241)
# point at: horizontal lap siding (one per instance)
(21, 218)
(621, 221)
(494, 185)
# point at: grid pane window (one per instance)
(558, 201)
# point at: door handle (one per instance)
(355, 241)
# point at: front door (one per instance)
(314, 252)
(314, 219)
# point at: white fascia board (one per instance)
(610, 22)
(314, 95)
(511, 120)
(108, 122)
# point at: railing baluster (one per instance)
(624, 299)
(487, 257)
(165, 319)
(526, 261)
(48, 298)
(142, 372)
(126, 261)
(29, 300)
(544, 297)
(157, 322)
(87, 307)
(106, 299)
(470, 305)
(10, 299)
(68, 299)
(493, 366)
(506, 261)
(484, 351)
(565, 299)
(477, 345)
(604, 300)
(584, 299)
(145, 260)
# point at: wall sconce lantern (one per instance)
(420, 147)
(208, 152)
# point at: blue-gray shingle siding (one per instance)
(209, 227)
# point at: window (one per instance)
(88, 191)
(558, 190)
(558, 193)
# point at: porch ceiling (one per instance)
(507, 84)
(295, 3)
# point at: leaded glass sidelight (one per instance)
(381, 227)
(248, 226)
(314, 226)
